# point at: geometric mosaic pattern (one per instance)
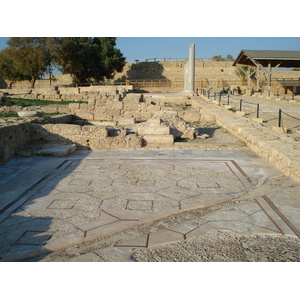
(87, 198)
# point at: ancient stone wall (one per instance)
(68, 93)
(85, 137)
(135, 106)
(12, 139)
(174, 70)
(60, 130)
(165, 70)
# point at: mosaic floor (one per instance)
(54, 203)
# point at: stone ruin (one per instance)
(161, 130)
(104, 123)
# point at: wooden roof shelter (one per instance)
(268, 58)
(283, 59)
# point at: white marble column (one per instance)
(189, 71)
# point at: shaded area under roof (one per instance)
(285, 59)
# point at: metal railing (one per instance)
(239, 104)
(200, 83)
(280, 119)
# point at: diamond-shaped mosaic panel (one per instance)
(61, 204)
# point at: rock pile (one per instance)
(179, 128)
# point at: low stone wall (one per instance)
(69, 93)
(50, 109)
(106, 107)
(136, 106)
(281, 151)
(12, 139)
(85, 137)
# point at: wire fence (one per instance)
(280, 120)
(250, 108)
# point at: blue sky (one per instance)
(205, 47)
(141, 48)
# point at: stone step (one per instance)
(156, 139)
(154, 122)
(153, 130)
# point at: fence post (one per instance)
(257, 112)
(241, 101)
(215, 96)
(227, 99)
(279, 118)
(220, 99)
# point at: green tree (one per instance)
(8, 71)
(220, 58)
(217, 58)
(229, 57)
(30, 56)
(88, 59)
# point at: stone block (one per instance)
(155, 130)
(154, 122)
(278, 129)
(113, 112)
(100, 110)
(117, 105)
(143, 107)
(133, 141)
(91, 103)
(153, 108)
(191, 117)
(104, 123)
(93, 130)
(103, 117)
(69, 129)
(30, 114)
(204, 117)
(259, 120)
(153, 140)
(126, 121)
(74, 106)
(57, 150)
(145, 115)
(130, 107)
(181, 114)
(133, 98)
(85, 115)
(240, 113)
(84, 107)
(130, 113)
